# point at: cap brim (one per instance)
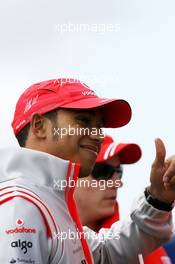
(128, 153)
(116, 112)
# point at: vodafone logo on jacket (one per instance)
(20, 228)
(19, 222)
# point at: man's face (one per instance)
(96, 203)
(77, 137)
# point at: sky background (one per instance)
(133, 59)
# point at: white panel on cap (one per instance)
(113, 149)
(106, 154)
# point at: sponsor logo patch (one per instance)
(20, 229)
(92, 93)
(23, 245)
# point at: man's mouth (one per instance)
(91, 148)
(111, 197)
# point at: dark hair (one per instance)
(23, 135)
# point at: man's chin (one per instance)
(85, 171)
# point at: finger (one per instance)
(167, 164)
(172, 182)
(169, 176)
(169, 187)
(166, 185)
(160, 152)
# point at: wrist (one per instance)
(156, 203)
(159, 195)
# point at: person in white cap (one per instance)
(96, 195)
(38, 214)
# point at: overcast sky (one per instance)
(122, 49)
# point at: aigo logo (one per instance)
(23, 245)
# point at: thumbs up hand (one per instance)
(162, 175)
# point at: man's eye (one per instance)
(83, 120)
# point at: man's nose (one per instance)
(117, 182)
(97, 134)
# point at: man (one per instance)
(96, 203)
(38, 217)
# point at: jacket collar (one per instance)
(38, 167)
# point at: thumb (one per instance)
(160, 152)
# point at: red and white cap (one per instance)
(48, 95)
(127, 152)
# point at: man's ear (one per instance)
(38, 125)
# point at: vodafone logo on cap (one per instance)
(86, 93)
